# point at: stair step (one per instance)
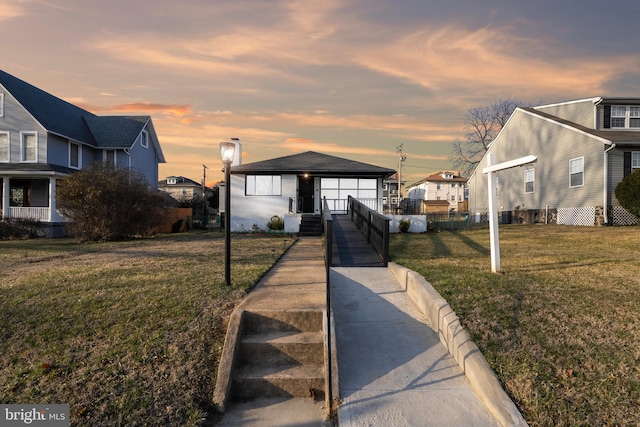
(250, 382)
(282, 348)
(281, 321)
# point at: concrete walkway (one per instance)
(393, 369)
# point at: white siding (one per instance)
(554, 145)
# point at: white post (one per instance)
(491, 170)
(493, 216)
(6, 198)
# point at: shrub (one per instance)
(275, 223)
(108, 203)
(404, 225)
(628, 193)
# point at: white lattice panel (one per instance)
(577, 216)
(621, 216)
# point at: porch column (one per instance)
(53, 213)
(4, 204)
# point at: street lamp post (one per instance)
(227, 152)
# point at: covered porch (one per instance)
(31, 198)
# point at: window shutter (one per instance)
(607, 116)
(627, 163)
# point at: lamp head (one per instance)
(227, 152)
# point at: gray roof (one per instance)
(65, 119)
(35, 169)
(623, 137)
(313, 163)
(116, 131)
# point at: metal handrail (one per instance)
(327, 221)
(373, 225)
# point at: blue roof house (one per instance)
(44, 139)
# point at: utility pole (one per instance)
(401, 159)
(204, 189)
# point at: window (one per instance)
(438, 186)
(74, 155)
(625, 116)
(144, 141)
(453, 198)
(1, 104)
(634, 117)
(29, 148)
(110, 156)
(263, 185)
(529, 181)
(576, 172)
(4, 146)
(635, 160)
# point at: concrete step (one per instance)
(282, 321)
(279, 348)
(252, 382)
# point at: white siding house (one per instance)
(584, 149)
(294, 186)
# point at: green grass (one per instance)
(560, 324)
(127, 333)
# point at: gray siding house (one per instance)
(294, 186)
(584, 148)
(44, 139)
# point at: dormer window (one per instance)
(171, 181)
(625, 117)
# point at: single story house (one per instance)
(44, 139)
(584, 148)
(294, 186)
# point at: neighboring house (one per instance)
(293, 186)
(44, 139)
(441, 186)
(183, 189)
(390, 197)
(584, 148)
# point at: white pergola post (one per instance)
(491, 170)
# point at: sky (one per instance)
(349, 78)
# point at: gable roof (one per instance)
(437, 177)
(62, 118)
(54, 114)
(622, 137)
(115, 131)
(313, 163)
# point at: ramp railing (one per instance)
(373, 225)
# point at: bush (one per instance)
(628, 193)
(108, 203)
(275, 223)
(404, 225)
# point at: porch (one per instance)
(29, 198)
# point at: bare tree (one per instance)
(481, 125)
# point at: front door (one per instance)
(305, 194)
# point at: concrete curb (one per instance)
(227, 360)
(457, 340)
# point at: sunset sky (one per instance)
(353, 79)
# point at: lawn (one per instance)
(560, 325)
(129, 333)
(126, 333)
